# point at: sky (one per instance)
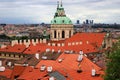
(38, 11)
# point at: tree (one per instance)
(113, 63)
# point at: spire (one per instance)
(57, 4)
(61, 3)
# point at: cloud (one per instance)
(37, 11)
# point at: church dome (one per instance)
(61, 20)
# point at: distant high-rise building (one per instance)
(87, 21)
(78, 22)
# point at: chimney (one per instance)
(44, 40)
(73, 43)
(9, 64)
(87, 42)
(36, 41)
(29, 41)
(80, 42)
(2, 68)
(13, 42)
(27, 45)
(53, 50)
(3, 46)
(53, 44)
(16, 41)
(33, 42)
(69, 44)
(52, 78)
(24, 42)
(58, 44)
(20, 42)
(0, 62)
(42, 68)
(49, 44)
(40, 40)
(63, 44)
(77, 43)
(49, 69)
(93, 72)
(37, 55)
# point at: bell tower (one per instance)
(61, 25)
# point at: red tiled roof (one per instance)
(7, 73)
(69, 66)
(32, 73)
(16, 48)
(94, 42)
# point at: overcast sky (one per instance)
(37, 11)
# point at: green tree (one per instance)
(113, 63)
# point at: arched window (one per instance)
(69, 33)
(55, 34)
(63, 34)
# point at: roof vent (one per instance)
(42, 68)
(51, 78)
(93, 72)
(2, 68)
(49, 69)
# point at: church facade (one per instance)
(61, 25)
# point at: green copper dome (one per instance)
(61, 20)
